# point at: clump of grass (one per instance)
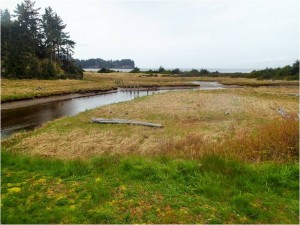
(277, 140)
(191, 146)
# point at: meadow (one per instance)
(223, 156)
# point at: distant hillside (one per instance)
(101, 63)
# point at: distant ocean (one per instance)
(221, 70)
(95, 70)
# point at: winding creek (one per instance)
(26, 117)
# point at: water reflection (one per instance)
(29, 117)
(32, 116)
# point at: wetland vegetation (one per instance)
(223, 156)
(13, 89)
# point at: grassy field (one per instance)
(22, 89)
(223, 156)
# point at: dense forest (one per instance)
(36, 46)
(101, 63)
(284, 73)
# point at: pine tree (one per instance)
(6, 37)
(34, 46)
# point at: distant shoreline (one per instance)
(221, 70)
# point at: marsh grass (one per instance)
(195, 124)
(23, 89)
(254, 82)
(277, 140)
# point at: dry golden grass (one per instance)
(20, 89)
(252, 82)
(195, 124)
(140, 79)
(277, 140)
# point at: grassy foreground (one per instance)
(24, 89)
(223, 156)
(132, 189)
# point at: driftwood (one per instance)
(281, 111)
(124, 121)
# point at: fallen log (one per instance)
(124, 121)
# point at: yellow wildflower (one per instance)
(41, 181)
(14, 190)
(123, 187)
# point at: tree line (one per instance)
(176, 72)
(285, 73)
(101, 63)
(36, 46)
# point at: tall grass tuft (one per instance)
(277, 140)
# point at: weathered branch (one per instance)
(124, 121)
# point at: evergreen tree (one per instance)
(6, 37)
(35, 46)
(29, 22)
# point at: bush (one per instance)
(33, 68)
(135, 70)
(176, 71)
(50, 70)
(104, 70)
(161, 69)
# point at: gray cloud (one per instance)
(212, 33)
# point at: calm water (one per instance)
(26, 118)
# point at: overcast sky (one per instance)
(186, 34)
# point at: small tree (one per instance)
(176, 71)
(161, 69)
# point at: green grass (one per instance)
(135, 189)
